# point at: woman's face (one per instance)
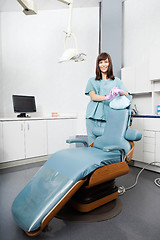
(103, 65)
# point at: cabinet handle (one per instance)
(28, 126)
(21, 127)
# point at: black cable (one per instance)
(122, 189)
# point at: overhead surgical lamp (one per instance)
(29, 6)
(71, 53)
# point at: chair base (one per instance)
(86, 200)
(103, 213)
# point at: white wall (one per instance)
(31, 46)
(141, 44)
(141, 30)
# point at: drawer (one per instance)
(150, 134)
(152, 124)
(149, 140)
(147, 147)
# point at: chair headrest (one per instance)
(121, 102)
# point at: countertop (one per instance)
(74, 116)
(146, 116)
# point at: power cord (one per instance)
(122, 189)
(157, 182)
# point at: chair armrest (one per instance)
(133, 135)
(115, 148)
(76, 140)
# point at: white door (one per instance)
(59, 130)
(13, 141)
(35, 138)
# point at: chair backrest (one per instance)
(114, 131)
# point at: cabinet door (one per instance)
(59, 130)
(141, 77)
(128, 78)
(35, 138)
(1, 144)
(138, 150)
(13, 141)
(158, 147)
(152, 124)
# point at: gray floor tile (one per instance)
(139, 219)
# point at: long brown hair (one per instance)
(104, 56)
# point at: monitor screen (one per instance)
(24, 104)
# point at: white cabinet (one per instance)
(136, 79)
(151, 140)
(23, 139)
(157, 157)
(128, 78)
(149, 143)
(142, 83)
(13, 141)
(148, 149)
(35, 138)
(1, 143)
(138, 150)
(58, 131)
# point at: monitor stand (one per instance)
(24, 115)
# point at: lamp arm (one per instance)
(65, 1)
(69, 29)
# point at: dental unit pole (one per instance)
(69, 29)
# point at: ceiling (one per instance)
(13, 5)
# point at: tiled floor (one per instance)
(139, 219)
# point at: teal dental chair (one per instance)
(85, 175)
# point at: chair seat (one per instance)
(83, 161)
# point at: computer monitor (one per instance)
(23, 105)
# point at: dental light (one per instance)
(29, 7)
(71, 53)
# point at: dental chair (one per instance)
(86, 175)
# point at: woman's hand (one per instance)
(114, 92)
(124, 93)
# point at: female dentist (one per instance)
(101, 89)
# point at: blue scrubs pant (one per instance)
(90, 125)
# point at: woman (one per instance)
(101, 90)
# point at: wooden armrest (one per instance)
(129, 155)
(107, 173)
